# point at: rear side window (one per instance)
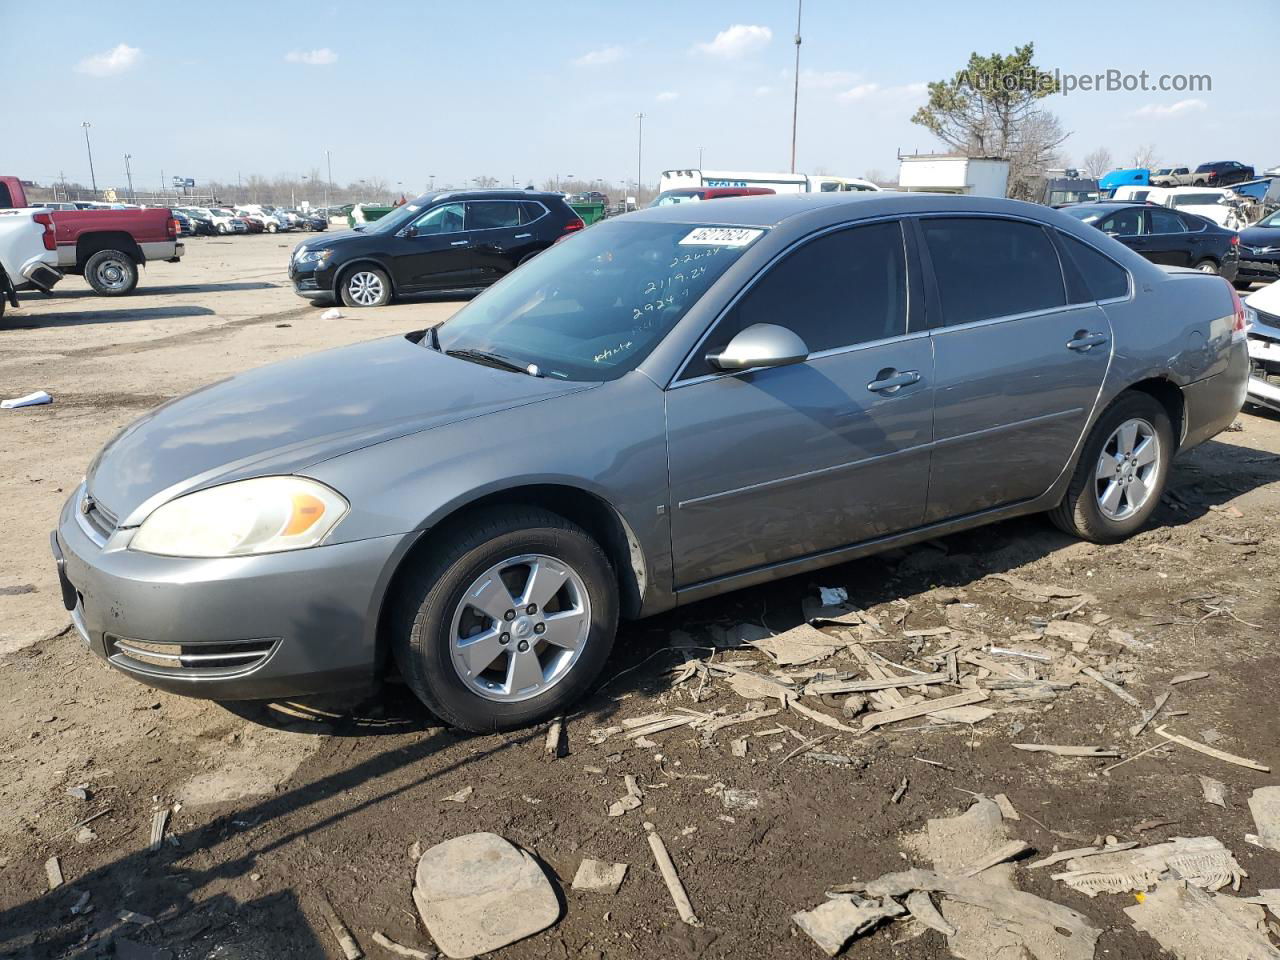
(530, 211)
(841, 289)
(1103, 278)
(1123, 223)
(491, 214)
(1165, 221)
(989, 268)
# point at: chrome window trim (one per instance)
(1133, 286)
(899, 218)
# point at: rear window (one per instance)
(988, 268)
(1104, 279)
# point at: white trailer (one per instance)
(970, 176)
(777, 182)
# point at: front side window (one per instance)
(446, 218)
(492, 214)
(838, 290)
(988, 268)
(592, 308)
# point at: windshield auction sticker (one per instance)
(720, 237)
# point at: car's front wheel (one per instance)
(1122, 472)
(365, 286)
(509, 623)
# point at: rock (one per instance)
(854, 704)
(85, 835)
(599, 876)
(1264, 804)
(477, 893)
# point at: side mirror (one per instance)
(760, 345)
(410, 231)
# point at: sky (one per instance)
(528, 91)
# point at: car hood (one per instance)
(1260, 236)
(286, 416)
(1267, 300)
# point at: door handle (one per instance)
(891, 381)
(1083, 342)
(523, 236)
(459, 243)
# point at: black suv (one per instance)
(450, 240)
(1221, 173)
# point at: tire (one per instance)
(1207, 266)
(1242, 285)
(365, 286)
(1081, 513)
(222, 229)
(272, 228)
(430, 616)
(111, 273)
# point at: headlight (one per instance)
(263, 515)
(314, 256)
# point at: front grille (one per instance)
(99, 517)
(192, 660)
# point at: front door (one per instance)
(1018, 367)
(771, 464)
(434, 251)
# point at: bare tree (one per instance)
(1145, 156)
(1097, 162)
(875, 175)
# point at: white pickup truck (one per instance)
(28, 253)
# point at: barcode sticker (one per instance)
(720, 237)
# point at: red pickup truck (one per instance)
(106, 246)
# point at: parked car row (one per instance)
(210, 221)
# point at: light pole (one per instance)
(432, 184)
(92, 178)
(128, 172)
(328, 184)
(795, 97)
(639, 155)
(699, 158)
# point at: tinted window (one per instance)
(446, 218)
(992, 268)
(840, 289)
(1165, 221)
(1122, 223)
(531, 211)
(1103, 278)
(1196, 199)
(491, 214)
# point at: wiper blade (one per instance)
(494, 360)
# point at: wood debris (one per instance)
(1188, 677)
(599, 876)
(818, 717)
(462, 796)
(659, 724)
(53, 873)
(350, 949)
(1062, 855)
(871, 721)
(553, 747)
(1212, 751)
(669, 876)
(1059, 750)
(797, 646)
(1006, 807)
(1264, 804)
(1039, 593)
(1119, 691)
(629, 801)
(920, 905)
(1191, 924)
(900, 792)
(1149, 715)
(1201, 861)
(1214, 791)
(1006, 851)
(399, 949)
(159, 820)
(817, 688)
(833, 924)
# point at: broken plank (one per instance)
(874, 720)
(821, 718)
(1006, 851)
(1081, 852)
(819, 687)
(1149, 715)
(350, 949)
(669, 876)
(1187, 677)
(1116, 689)
(1059, 750)
(555, 735)
(1211, 752)
(386, 943)
(53, 872)
(159, 820)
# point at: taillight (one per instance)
(574, 225)
(1235, 242)
(46, 221)
(173, 228)
(1239, 329)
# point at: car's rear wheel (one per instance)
(222, 228)
(365, 286)
(111, 273)
(1122, 472)
(1207, 266)
(509, 623)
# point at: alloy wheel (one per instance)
(365, 288)
(112, 274)
(1128, 469)
(519, 628)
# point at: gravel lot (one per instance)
(281, 803)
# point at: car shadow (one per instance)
(125, 315)
(147, 290)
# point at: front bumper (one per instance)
(1265, 267)
(239, 628)
(310, 282)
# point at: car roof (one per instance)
(496, 194)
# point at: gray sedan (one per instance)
(668, 406)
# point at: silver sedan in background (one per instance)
(671, 405)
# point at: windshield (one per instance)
(1271, 221)
(593, 307)
(1197, 199)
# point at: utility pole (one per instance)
(639, 154)
(328, 184)
(128, 172)
(795, 99)
(92, 178)
(699, 158)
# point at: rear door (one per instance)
(434, 251)
(1017, 367)
(1167, 239)
(771, 464)
(500, 236)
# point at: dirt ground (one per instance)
(275, 806)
